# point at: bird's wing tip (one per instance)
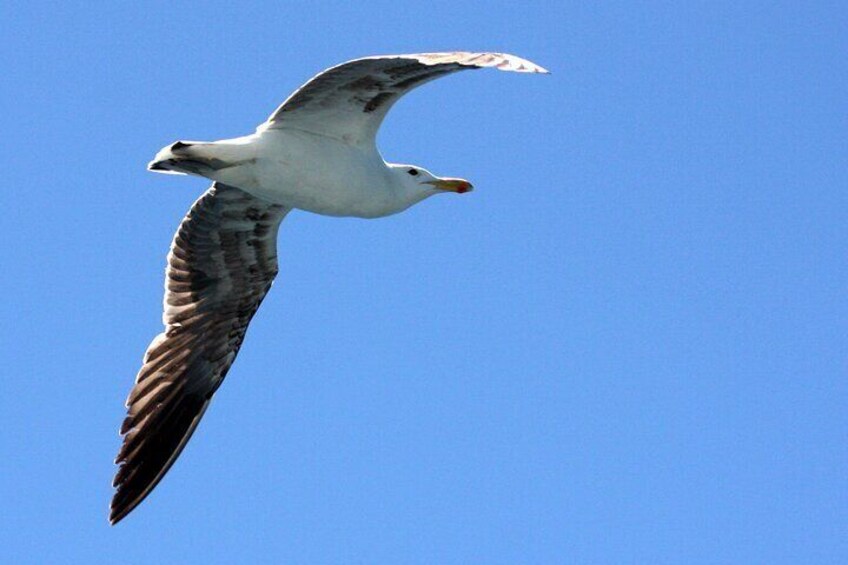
(116, 516)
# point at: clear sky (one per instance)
(628, 345)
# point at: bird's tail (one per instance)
(195, 158)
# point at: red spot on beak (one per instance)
(459, 186)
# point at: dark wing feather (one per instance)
(349, 101)
(222, 262)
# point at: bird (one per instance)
(317, 152)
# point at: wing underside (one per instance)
(349, 101)
(222, 262)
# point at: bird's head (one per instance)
(421, 183)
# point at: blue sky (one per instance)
(628, 345)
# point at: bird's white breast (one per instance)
(315, 173)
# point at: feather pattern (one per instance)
(350, 100)
(222, 262)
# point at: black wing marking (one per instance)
(222, 262)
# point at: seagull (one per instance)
(317, 152)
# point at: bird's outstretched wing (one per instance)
(222, 262)
(349, 101)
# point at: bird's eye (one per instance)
(413, 172)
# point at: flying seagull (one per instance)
(317, 152)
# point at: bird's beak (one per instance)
(453, 185)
